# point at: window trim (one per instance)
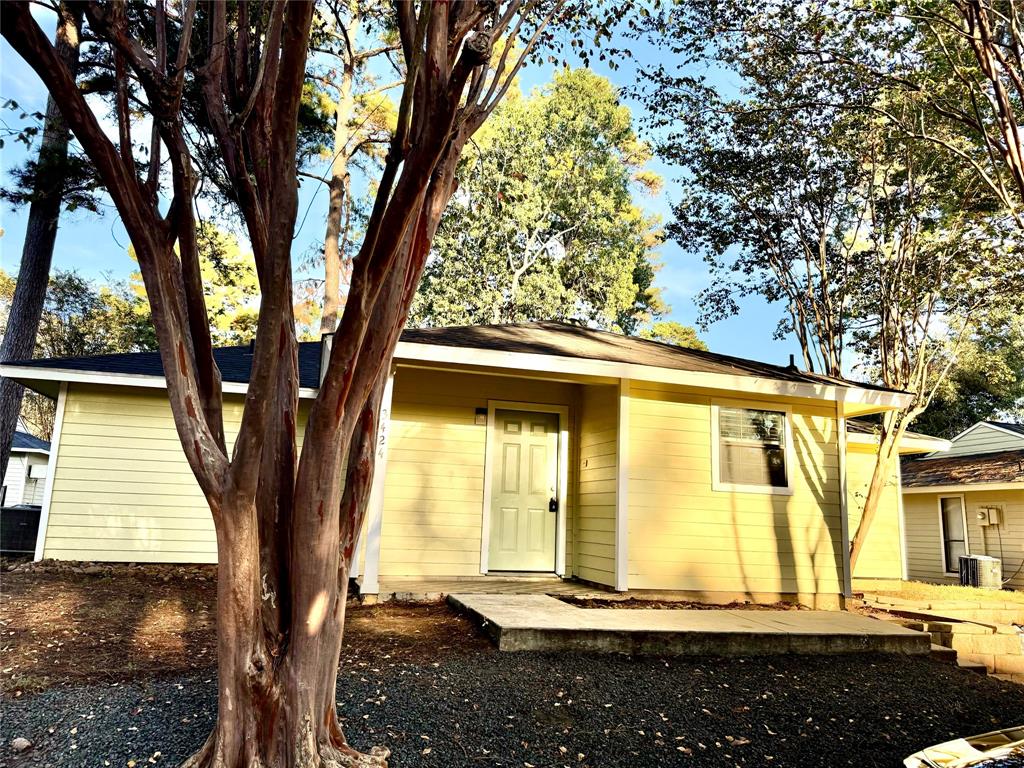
(942, 531)
(716, 446)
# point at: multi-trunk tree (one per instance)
(801, 186)
(286, 520)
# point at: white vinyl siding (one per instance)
(14, 479)
(22, 487)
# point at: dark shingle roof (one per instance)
(23, 441)
(1001, 467)
(865, 427)
(564, 340)
(234, 363)
(1018, 428)
(544, 338)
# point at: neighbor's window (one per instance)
(954, 541)
(752, 447)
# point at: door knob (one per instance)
(553, 504)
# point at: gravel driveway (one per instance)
(483, 708)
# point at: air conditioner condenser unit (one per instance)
(981, 571)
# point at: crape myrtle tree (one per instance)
(803, 186)
(286, 521)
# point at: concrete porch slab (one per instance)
(543, 623)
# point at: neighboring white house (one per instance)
(967, 500)
(25, 479)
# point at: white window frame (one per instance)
(563, 477)
(716, 446)
(942, 531)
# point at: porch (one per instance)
(531, 622)
(416, 589)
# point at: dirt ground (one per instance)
(114, 667)
(73, 628)
(675, 605)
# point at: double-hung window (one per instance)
(752, 450)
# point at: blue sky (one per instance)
(97, 245)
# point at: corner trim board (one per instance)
(622, 491)
(371, 571)
(844, 505)
(51, 470)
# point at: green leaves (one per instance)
(544, 225)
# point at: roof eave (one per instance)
(965, 487)
(908, 445)
(37, 378)
(855, 400)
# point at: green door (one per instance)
(524, 491)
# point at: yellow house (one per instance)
(883, 563)
(543, 449)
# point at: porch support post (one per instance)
(51, 469)
(844, 504)
(622, 491)
(904, 567)
(375, 510)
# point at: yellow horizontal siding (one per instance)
(122, 489)
(683, 535)
(433, 489)
(881, 557)
(598, 462)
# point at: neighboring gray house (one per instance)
(25, 479)
(986, 437)
(968, 500)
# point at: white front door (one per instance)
(524, 491)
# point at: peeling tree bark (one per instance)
(286, 520)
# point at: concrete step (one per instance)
(973, 666)
(1008, 678)
(541, 623)
(997, 645)
(943, 654)
(942, 638)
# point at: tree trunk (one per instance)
(37, 253)
(338, 186)
(276, 710)
(893, 427)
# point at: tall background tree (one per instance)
(47, 180)
(351, 37)
(286, 520)
(545, 225)
(802, 185)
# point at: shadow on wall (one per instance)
(781, 544)
(433, 491)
